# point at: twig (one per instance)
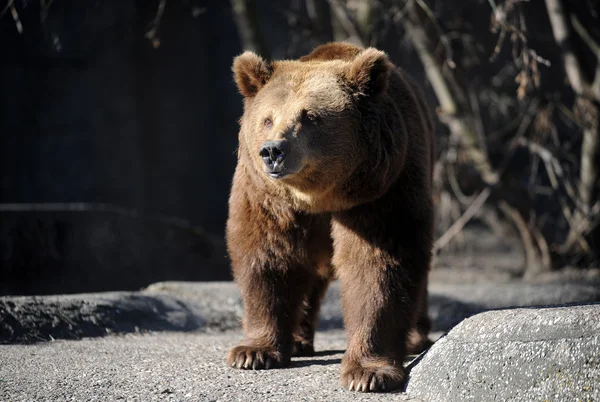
(8, 5)
(560, 30)
(554, 171)
(542, 247)
(525, 234)
(474, 101)
(397, 15)
(523, 127)
(454, 109)
(499, 44)
(478, 202)
(15, 15)
(443, 38)
(346, 20)
(586, 92)
(152, 33)
(456, 190)
(585, 35)
(570, 115)
(432, 68)
(460, 223)
(595, 48)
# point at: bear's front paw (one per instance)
(371, 375)
(256, 358)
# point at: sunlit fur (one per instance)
(356, 199)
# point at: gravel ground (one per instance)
(168, 366)
(169, 342)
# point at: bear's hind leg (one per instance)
(418, 338)
(304, 334)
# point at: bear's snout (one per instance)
(273, 154)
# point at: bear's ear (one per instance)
(369, 72)
(251, 73)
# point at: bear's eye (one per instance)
(310, 116)
(268, 123)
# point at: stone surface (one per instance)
(191, 307)
(168, 342)
(169, 367)
(514, 355)
(451, 303)
(217, 306)
(45, 318)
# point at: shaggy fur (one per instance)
(356, 199)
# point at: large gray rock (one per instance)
(451, 303)
(212, 307)
(514, 355)
(217, 306)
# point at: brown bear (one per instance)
(333, 179)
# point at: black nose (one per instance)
(274, 152)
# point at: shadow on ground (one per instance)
(217, 307)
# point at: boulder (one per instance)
(521, 354)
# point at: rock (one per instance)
(520, 354)
(449, 304)
(217, 306)
(46, 318)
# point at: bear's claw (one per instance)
(255, 358)
(372, 377)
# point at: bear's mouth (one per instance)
(277, 175)
(276, 171)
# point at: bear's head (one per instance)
(304, 120)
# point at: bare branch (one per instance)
(346, 21)
(554, 171)
(542, 244)
(8, 5)
(443, 37)
(596, 84)
(152, 34)
(529, 248)
(432, 68)
(585, 35)
(457, 116)
(460, 223)
(456, 190)
(560, 29)
(595, 48)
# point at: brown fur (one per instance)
(357, 197)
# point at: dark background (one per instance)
(92, 111)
